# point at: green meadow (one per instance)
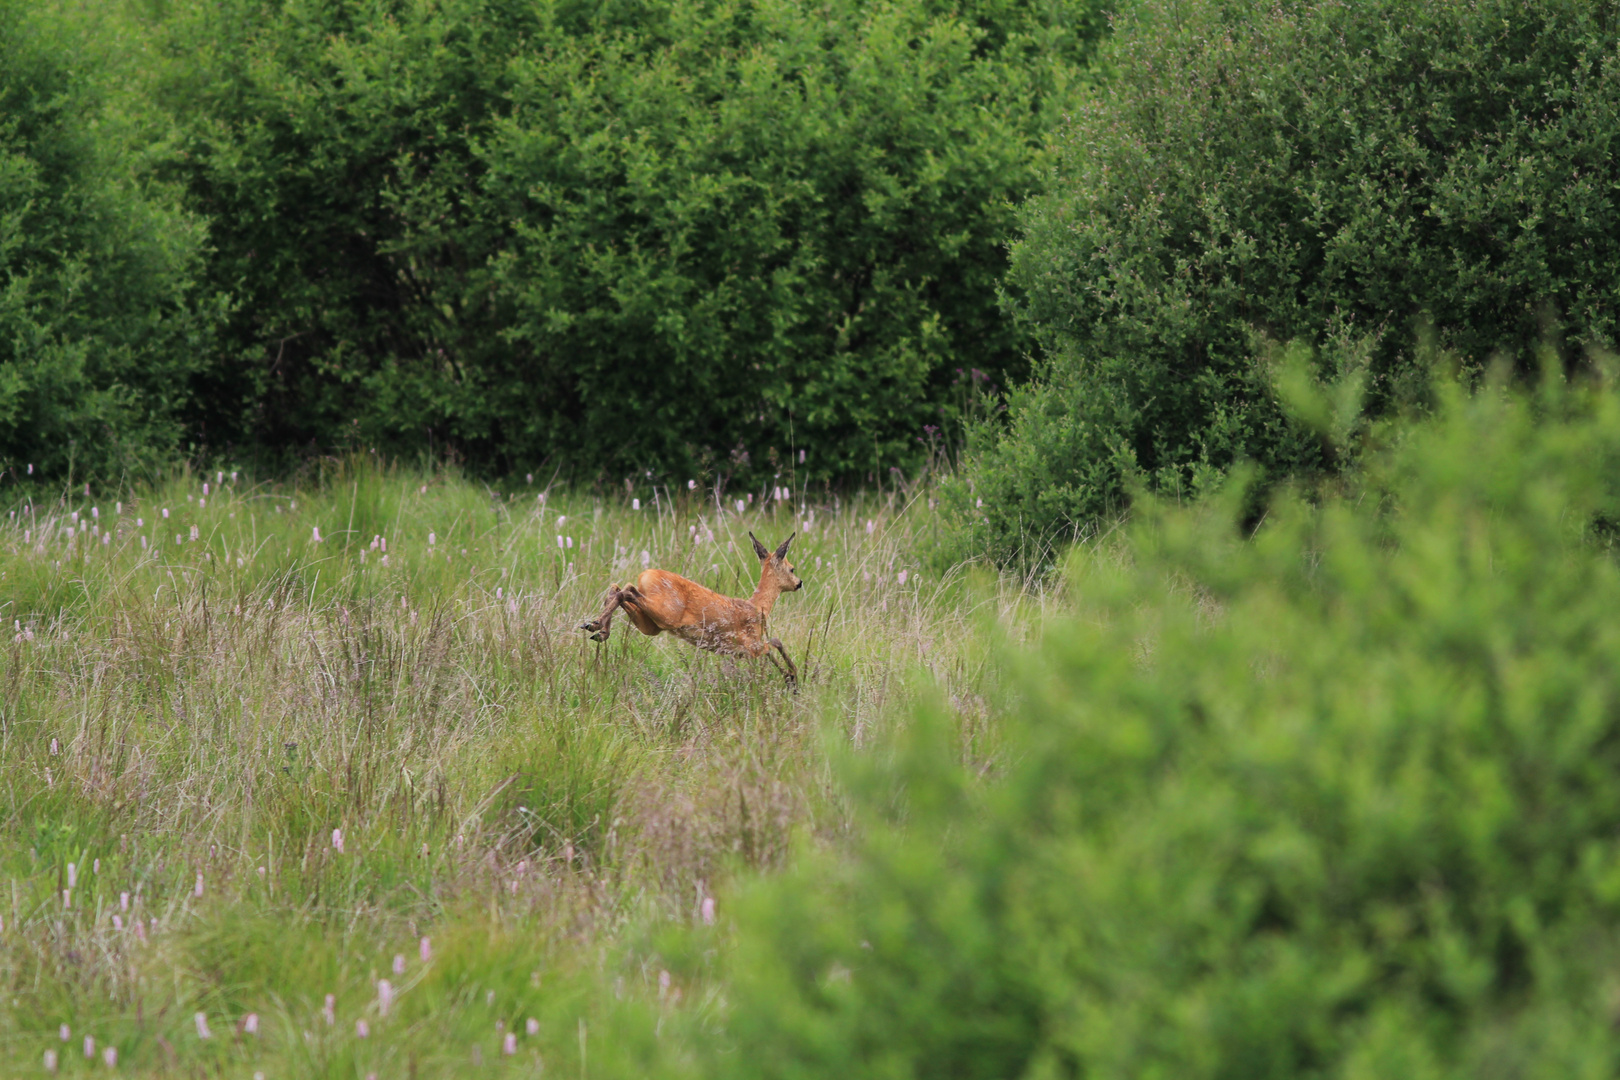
(333, 754)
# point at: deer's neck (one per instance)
(765, 595)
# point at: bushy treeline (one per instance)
(687, 236)
(707, 237)
(1336, 800)
(1349, 176)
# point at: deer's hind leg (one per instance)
(602, 625)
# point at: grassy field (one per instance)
(320, 780)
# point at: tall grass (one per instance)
(209, 682)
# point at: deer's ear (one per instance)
(759, 548)
(781, 552)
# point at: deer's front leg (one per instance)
(602, 625)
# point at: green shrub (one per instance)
(101, 319)
(687, 237)
(1331, 172)
(1338, 801)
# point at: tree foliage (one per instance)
(1339, 174)
(103, 321)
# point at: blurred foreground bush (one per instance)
(1336, 173)
(1336, 800)
(102, 321)
(683, 236)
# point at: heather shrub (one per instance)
(1335, 799)
(1353, 177)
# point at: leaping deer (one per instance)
(662, 601)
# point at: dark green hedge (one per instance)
(690, 237)
(103, 322)
(1334, 172)
(1337, 801)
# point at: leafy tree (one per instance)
(102, 319)
(1340, 174)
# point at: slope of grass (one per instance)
(320, 780)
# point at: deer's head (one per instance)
(777, 570)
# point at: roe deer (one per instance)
(662, 601)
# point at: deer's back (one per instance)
(700, 615)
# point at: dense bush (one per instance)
(686, 236)
(1334, 172)
(1338, 801)
(101, 321)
